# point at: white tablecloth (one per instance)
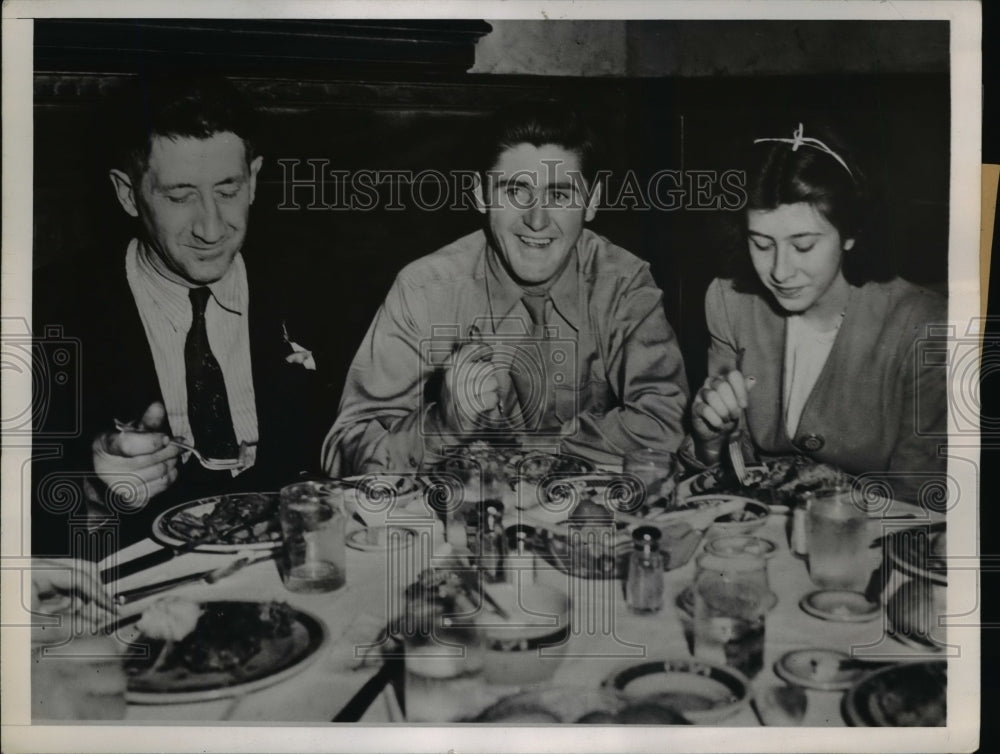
(605, 638)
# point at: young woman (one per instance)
(820, 352)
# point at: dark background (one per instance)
(366, 95)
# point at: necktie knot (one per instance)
(199, 300)
(536, 308)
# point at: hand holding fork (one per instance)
(719, 416)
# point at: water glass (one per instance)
(312, 529)
(837, 535)
(657, 471)
(443, 654)
(731, 599)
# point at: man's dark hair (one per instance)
(177, 107)
(539, 123)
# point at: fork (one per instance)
(212, 464)
(736, 439)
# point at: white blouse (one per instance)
(806, 352)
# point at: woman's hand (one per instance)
(716, 411)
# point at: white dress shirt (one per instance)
(165, 310)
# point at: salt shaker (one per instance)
(798, 539)
(644, 593)
(487, 544)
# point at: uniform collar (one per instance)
(504, 293)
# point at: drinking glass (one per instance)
(442, 655)
(837, 534)
(312, 529)
(731, 599)
(657, 471)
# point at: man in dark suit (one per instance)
(186, 336)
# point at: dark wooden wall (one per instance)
(413, 116)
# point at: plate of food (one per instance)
(384, 500)
(778, 480)
(510, 473)
(581, 705)
(185, 651)
(199, 520)
(904, 695)
(728, 513)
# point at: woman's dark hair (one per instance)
(777, 173)
(177, 106)
(539, 123)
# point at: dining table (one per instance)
(347, 678)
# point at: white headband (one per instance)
(798, 140)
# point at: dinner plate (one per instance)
(840, 606)
(701, 511)
(384, 494)
(913, 551)
(909, 694)
(278, 658)
(565, 704)
(187, 522)
(702, 692)
(777, 480)
(509, 472)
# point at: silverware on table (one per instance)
(157, 557)
(210, 576)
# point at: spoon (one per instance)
(783, 706)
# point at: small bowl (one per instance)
(701, 692)
(528, 646)
(740, 544)
(741, 521)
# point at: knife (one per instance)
(209, 577)
(141, 563)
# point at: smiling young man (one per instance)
(182, 335)
(534, 326)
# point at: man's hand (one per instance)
(472, 390)
(60, 587)
(81, 677)
(141, 457)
